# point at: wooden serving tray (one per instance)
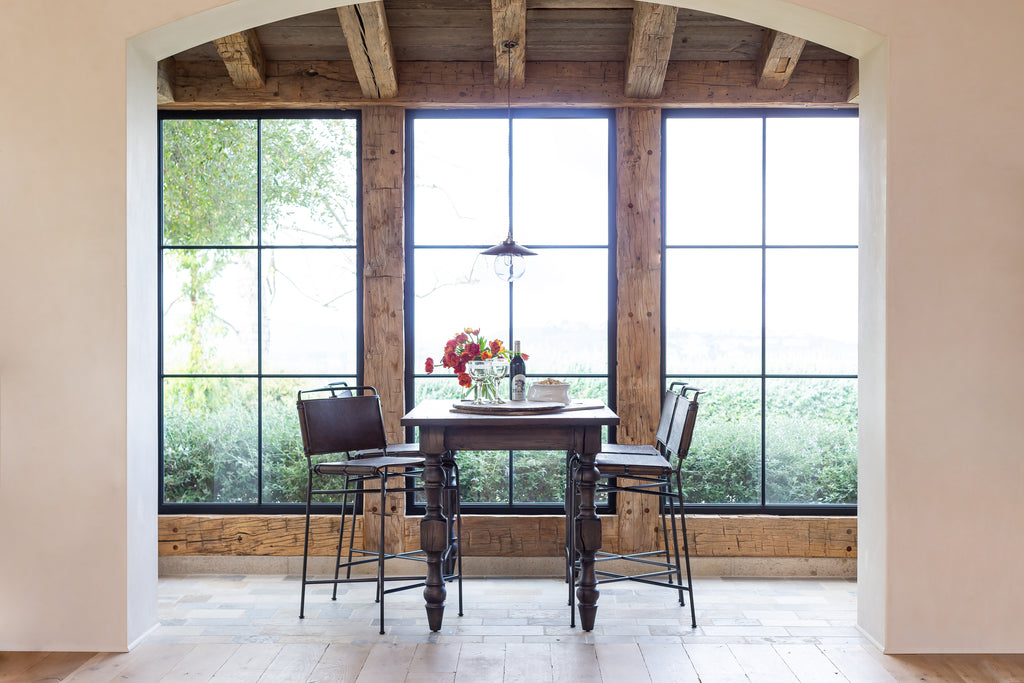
(522, 407)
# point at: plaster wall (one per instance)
(942, 310)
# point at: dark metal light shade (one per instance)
(508, 247)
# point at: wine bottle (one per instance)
(517, 371)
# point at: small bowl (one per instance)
(555, 393)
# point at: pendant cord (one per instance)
(509, 44)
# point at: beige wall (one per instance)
(942, 301)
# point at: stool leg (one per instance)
(664, 529)
(305, 547)
(341, 540)
(458, 526)
(675, 545)
(352, 530)
(686, 549)
(380, 549)
(571, 532)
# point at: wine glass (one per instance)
(499, 369)
(479, 373)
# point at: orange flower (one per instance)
(465, 380)
(496, 346)
(485, 355)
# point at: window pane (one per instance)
(484, 476)
(811, 180)
(456, 289)
(209, 182)
(713, 181)
(461, 180)
(811, 441)
(539, 477)
(284, 462)
(724, 463)
(309, 181)
(309, 303)
(561, 311)
(561, 181)
(209, 299)
(210, 440)
(811, 311)
(713, 311)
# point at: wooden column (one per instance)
(383, 133)
(638, 258)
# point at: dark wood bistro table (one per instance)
(441, 430)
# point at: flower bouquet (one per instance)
(479, 363)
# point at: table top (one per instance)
(439, 413)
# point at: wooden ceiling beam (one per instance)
(854, 97)
(649, 47)
(165, 81)
(365, 26)
(333, 85)
(508, 19)
(779, 54)
(243, 57)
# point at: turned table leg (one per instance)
(433, 532)
(588, 541)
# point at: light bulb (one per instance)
(509, 267)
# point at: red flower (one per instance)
(464, 347)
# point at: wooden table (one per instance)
(442, 430)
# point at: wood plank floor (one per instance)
(246, 628)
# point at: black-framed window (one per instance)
(260, 294)
(760, 305)
(459, 178)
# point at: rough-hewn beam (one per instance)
(369, 44)
(383, 155)
(779, 55)
(854, 96)
(649, 47)
(579, 4)
(508, 19)
(638, 274)
(243, 57)
(507, 536)
(165, 81)
(199, 85)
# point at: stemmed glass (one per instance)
(498, 370)
(480, 374)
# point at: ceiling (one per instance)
(396, 50)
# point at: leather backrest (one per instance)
(668, 409)
(681, 433)
(340, 424)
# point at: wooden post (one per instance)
(383, 193)
(638, 258)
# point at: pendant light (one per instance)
(508, 256)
